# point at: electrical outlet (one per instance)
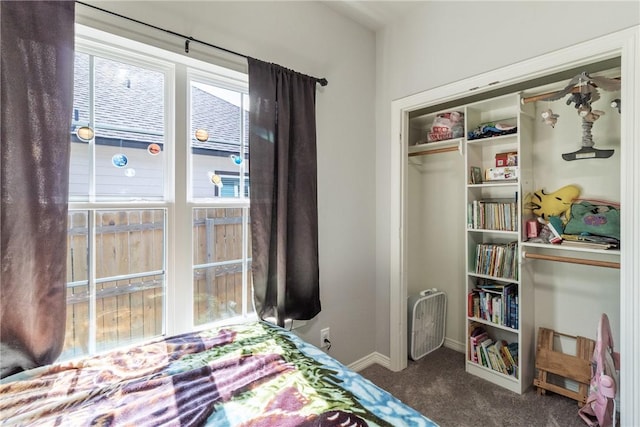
(325, 338)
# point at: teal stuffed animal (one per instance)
(601, 220)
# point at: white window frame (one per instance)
(178, 69)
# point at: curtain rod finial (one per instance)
(323, 82)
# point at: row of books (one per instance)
(493, 215)
(497, 355)
(497, 260)
(494, 302)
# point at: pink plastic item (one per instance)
(600, 409)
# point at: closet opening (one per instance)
(434, 246)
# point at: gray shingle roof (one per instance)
(130, 102)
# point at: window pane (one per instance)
(219, 124)
(128, 311)
(218, 264)
(129, 242)
(217, 235)
(125, 108)
(217, 293)
(129, 287)
(79, 167)
(77, 330)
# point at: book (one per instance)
(477, 333)
(513, 351)
(505, 362)
(485, 353)
(590, 238)
(475, 175)
(587, 244)
(496, 359)
(494, 302)
(473, 345)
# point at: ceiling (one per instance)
(372, 14)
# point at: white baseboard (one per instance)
(454, 345)
(384, 361)
(371, 359)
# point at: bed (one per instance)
(253, 374)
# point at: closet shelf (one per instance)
(487, 230)
(492, 324)
(492, 372)
(436, 147)
(496, 278)
(501, 183)
(495, 140)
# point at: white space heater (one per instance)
(427, 312)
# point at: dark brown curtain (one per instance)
(37, 96)
(284, 208)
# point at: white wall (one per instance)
(310, 38)
(444, 42)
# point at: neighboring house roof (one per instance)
(129, 108)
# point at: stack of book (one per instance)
(589, 241)
(497, 355)
(494, 302)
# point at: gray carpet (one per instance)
(438, 387)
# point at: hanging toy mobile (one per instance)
(215, 179)
(583, 91)
(616, 104)
(549, 117)
(119, 160)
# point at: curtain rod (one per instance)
(188, 39)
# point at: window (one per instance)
(131, 197)
(220, 191)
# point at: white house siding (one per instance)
(148, 180)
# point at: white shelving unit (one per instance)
(481, 153)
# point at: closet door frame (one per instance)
(624, 44)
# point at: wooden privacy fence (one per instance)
(217, 238)
(130, 284)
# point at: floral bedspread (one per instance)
(241, 375)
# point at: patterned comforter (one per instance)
(241, 375)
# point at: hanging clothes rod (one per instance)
(544, 96)
(436, 151)
(572, 260)
(457, 147)
(188, 39)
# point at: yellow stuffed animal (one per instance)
(557, 203)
